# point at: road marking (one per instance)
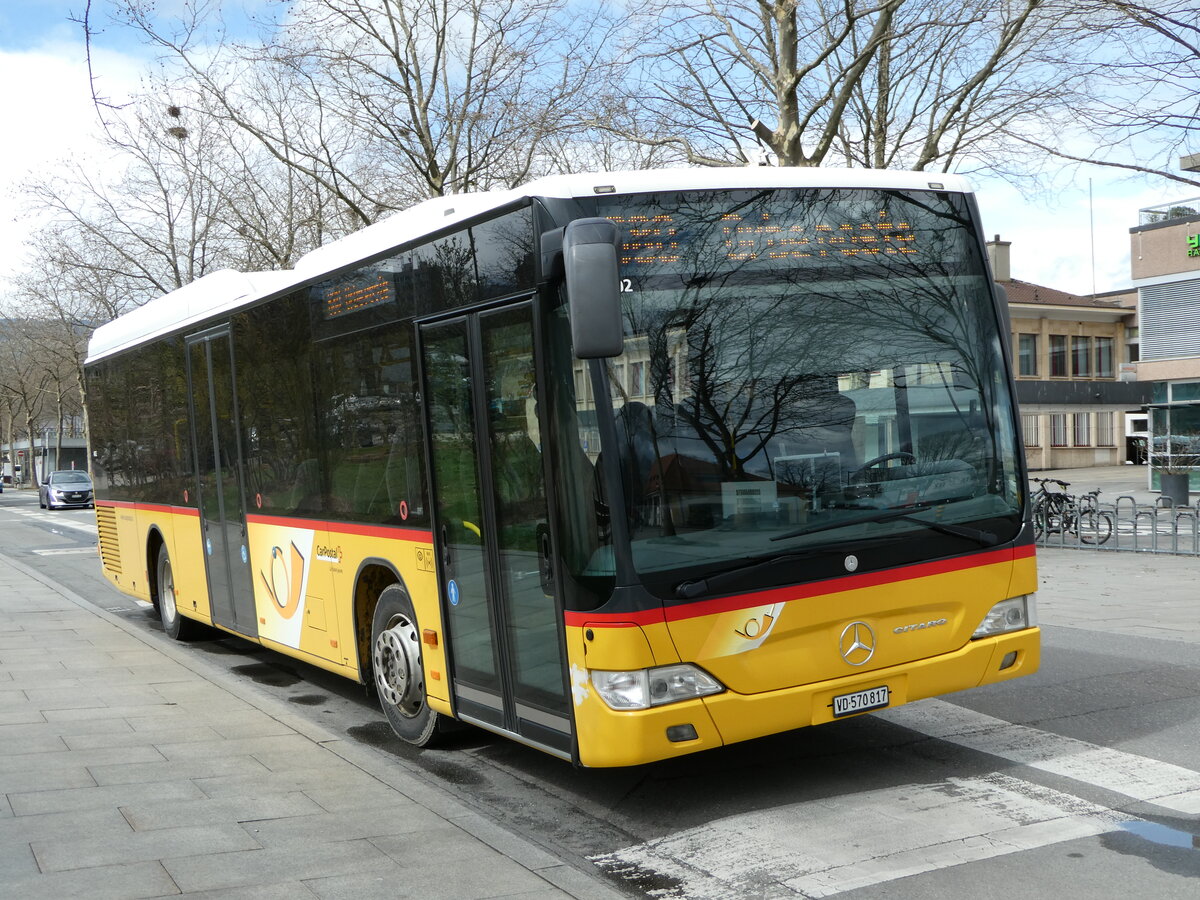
(1163, 784)
(57, 520)
(65, 551)
(818, 848)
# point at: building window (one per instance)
(1104, 357)
(1104, 430)
(1082, 429)
(1058, 356)
(1030, 427)
(637, 379)
(1058, 430)
(1081, 357)
(1027, 354)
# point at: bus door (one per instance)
(219, 488)
(504, 626)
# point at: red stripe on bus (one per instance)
(798, 591)
(394, 532)
(150, 507)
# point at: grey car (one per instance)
(66, 488)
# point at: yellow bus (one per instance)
(621, 466)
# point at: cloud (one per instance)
(49, 118)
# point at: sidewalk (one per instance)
(129, 769)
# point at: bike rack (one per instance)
(1160, 527)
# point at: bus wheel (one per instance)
(177, 627)
(399, 676)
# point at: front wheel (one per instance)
(398, 670)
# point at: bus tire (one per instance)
(177, 627)
(398, 671)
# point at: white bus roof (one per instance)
(227, 290)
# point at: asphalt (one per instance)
(129, 768)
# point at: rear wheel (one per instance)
(1095, 527)
(398, 671)
(177, 627)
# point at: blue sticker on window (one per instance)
(452, 592)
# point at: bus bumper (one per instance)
(641, 737)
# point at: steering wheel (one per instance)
(871, 463)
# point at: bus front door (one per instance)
(219, 487)
(505, 638)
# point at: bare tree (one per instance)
(24, 382)
(881, 83)
(1140, 110)
(954, 82)
(383, 102)
(154, 226)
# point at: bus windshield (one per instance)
(804, 369)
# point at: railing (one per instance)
(1136, 527)
(1180, 209)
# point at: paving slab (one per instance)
(75, 851)
(117, 882)
(223, 871)
(149, 815)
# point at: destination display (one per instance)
(706, 233)
(353, 295)
(664, 239)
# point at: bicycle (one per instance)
(1050, 508)
(1057, 512)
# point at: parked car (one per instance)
(66, 488)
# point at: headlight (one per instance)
(1009, 615)
(644, 688)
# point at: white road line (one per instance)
(57, 521)
(1139, 777)
(66, 551)
(823, 847)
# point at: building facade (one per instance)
(1165, 266)
(1072, 358)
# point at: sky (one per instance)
(48, 109)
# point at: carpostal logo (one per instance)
(917, 626)
(329, 554)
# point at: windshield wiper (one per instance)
(691, 589)
(985, 538)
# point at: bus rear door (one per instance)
(221, 493)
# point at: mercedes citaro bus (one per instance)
(622, 466)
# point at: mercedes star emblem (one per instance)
(857, 643)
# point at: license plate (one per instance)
(860, 701)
